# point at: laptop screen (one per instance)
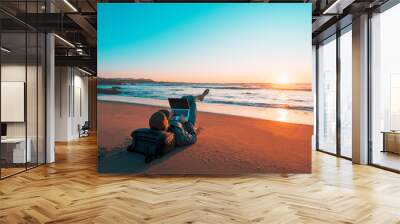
(178, 112)
(178, 103)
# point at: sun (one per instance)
(282, 79)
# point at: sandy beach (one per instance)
(227, 144)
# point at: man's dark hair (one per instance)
(158, 121)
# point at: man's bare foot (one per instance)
(205, 93)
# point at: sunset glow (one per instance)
(282, 79)
(205, 43)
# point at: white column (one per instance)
(50, 98)
(360, 90)
(50, 92)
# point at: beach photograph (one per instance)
(192, 89)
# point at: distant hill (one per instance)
(121, 81)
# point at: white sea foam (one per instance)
(276, 114)
(295, 96)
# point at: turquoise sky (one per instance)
(205, 42)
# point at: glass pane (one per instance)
(13, 86)
(31, 87)
(31, 97)
(386, 89)
(23, 87)
(346, 94)
(327, 97)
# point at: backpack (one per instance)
(151, 143)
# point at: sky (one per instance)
(205, 42)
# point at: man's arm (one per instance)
(185, 135)
(188, 138)
(189, 128)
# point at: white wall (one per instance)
(12, 73)
(80, 110)
(62, 82)
(71, 87)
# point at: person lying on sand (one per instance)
(184, 131)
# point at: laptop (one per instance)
(179, 107)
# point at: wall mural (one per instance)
(204, 88)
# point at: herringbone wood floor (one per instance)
(71, 191)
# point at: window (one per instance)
(385, 89)
(327, 96)
(346, 93)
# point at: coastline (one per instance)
(273, 114)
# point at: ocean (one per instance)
(292, 97)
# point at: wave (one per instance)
(267, 105)
(226, 87)
(294, 88)
(246, 86)
(245, 95)
(290, 87)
